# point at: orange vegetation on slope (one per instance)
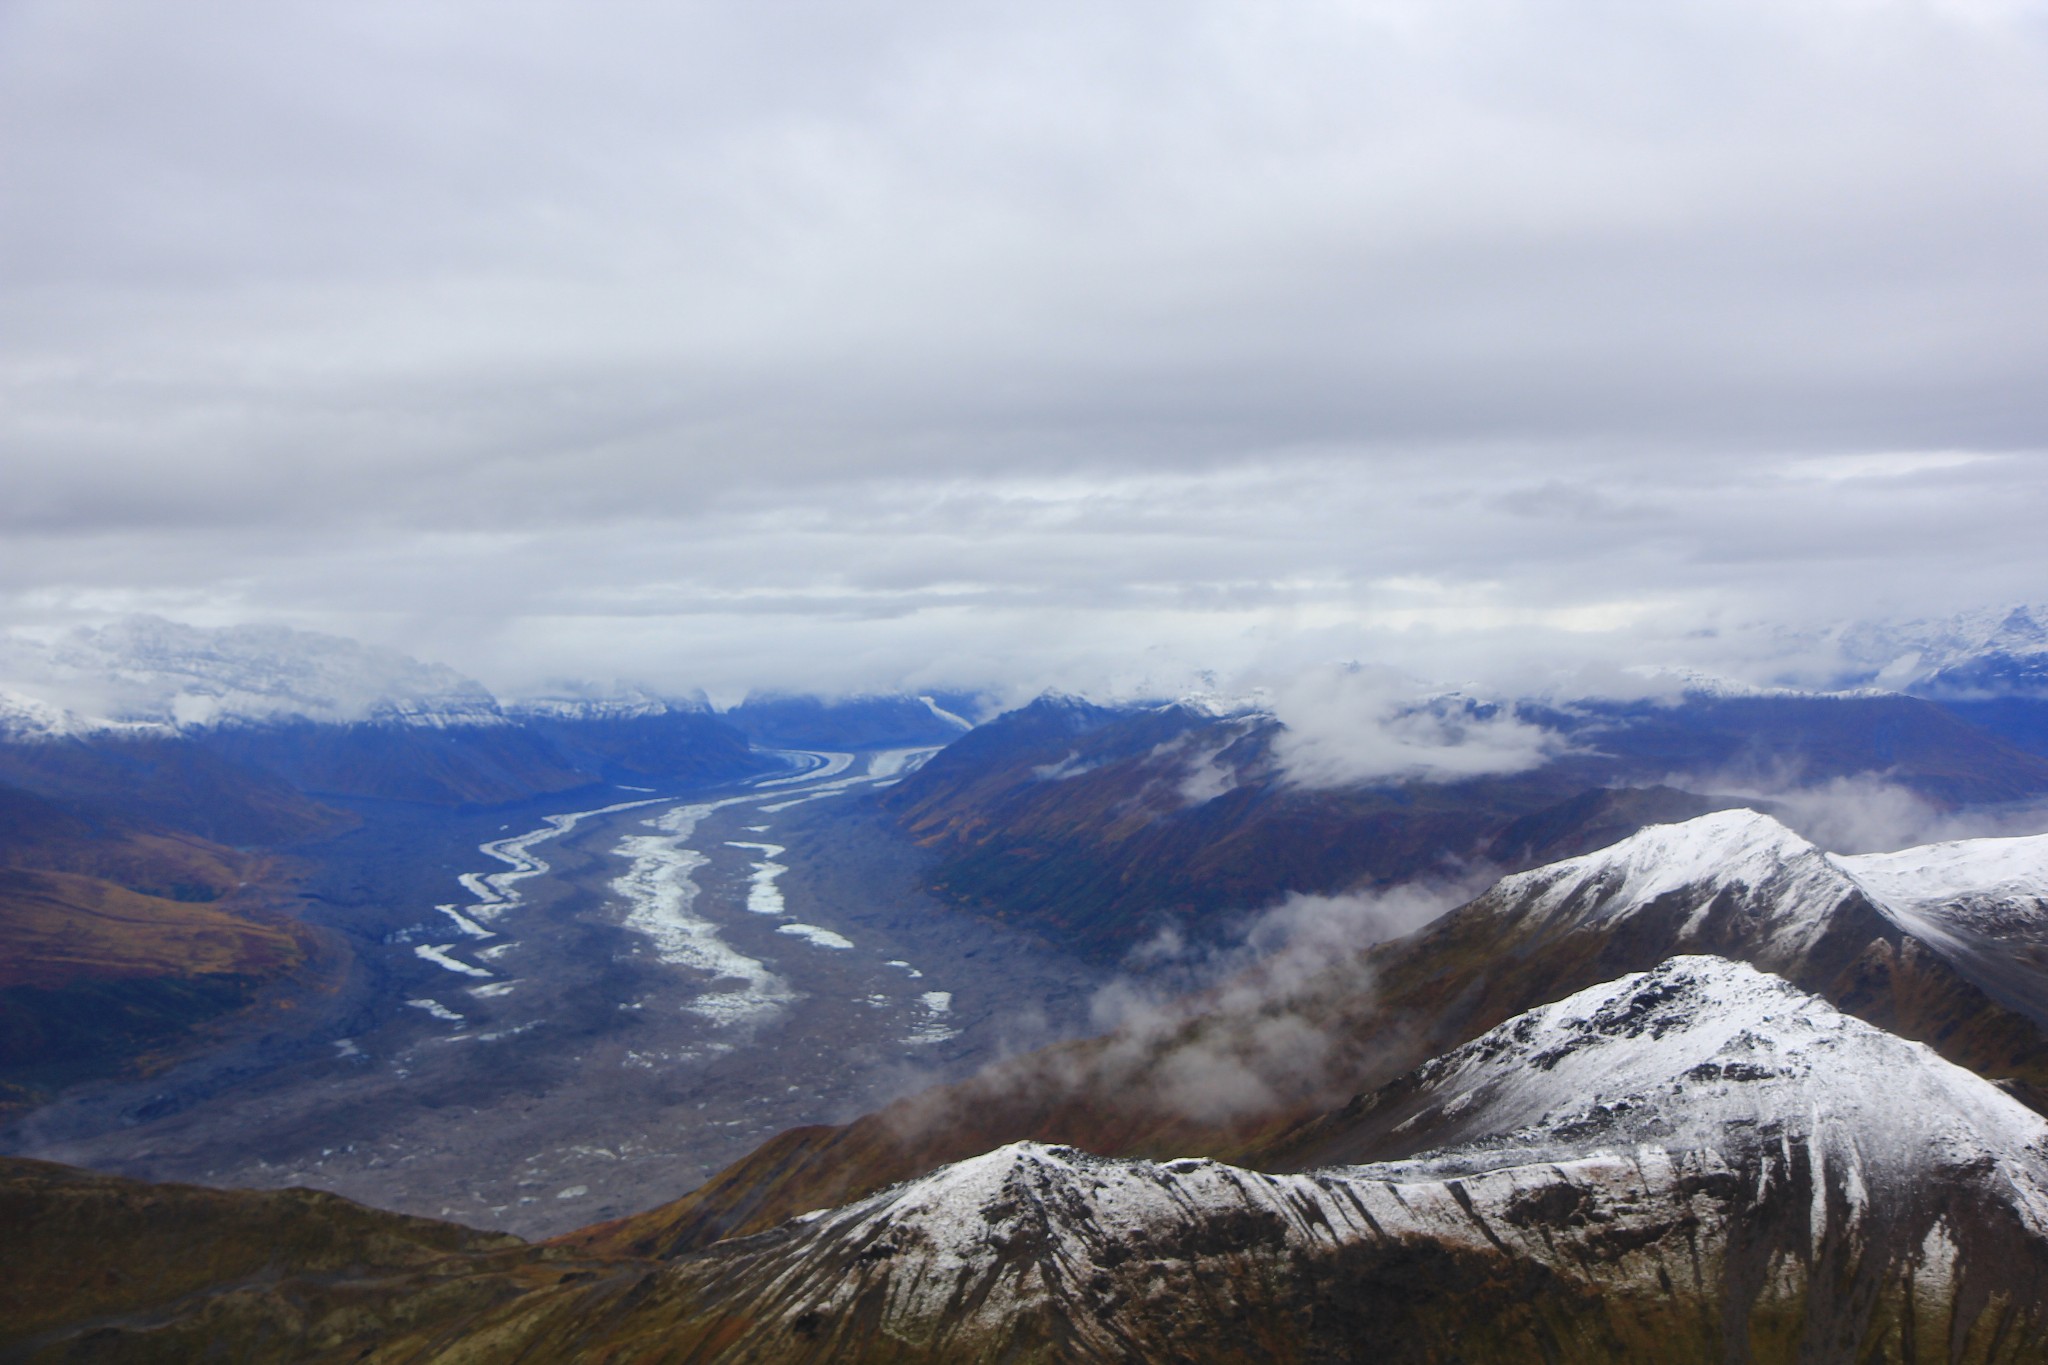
(117, 939)
(94, 896)
(57, 927)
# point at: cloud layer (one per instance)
(900, 342)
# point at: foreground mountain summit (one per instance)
(1937, 945)
(1699, 1162)
(1694, 1163)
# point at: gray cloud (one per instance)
(856, 344)
(1346, 726)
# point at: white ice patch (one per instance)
(464, 924)
(493, 991)
(763, 896)
(949, 716)
(659, 893)
(811, 933)
(818, 766)
(933, 1028)
(437, 1009)
(814, 796)
(891, 761)
(907, 968)
(438, 955)
(496, 892)
(897, 762)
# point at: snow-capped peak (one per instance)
(2005, 869)
(1684, 1053)
(1785, 891)
(1226, 705)
(1788, 884)
(1666, 1136)
(151, 673)
(1696, 683)
(25, 717)
(590, 701)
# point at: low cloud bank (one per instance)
(1348, 725)
(1869, 813)
(1217, 1033)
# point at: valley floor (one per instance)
(575, 1026)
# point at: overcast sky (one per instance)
(855, 344)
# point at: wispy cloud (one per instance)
(1351, 725)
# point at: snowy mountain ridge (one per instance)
(1989, 652)
(1788, 883)
(148, 672)
(1681, 1056)
(1701, 1133)
(146, 675)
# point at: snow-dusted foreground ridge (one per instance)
(1790, 881)
(1698, 1162)
(1742, 884)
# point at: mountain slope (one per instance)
(1098, 827)
(100, 1268)
(1983, 902)
(117, 937)
(1697, 1163)
(783, 721)
(1233, 1077)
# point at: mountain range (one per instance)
(1103, 827)
(1666, 1080)
(1258, 1071)
(1695, 1163)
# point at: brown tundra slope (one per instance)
(117, 937)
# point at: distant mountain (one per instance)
(641, 737)
(1997, 650)
(145, 670)
(330, 717)
(783, 721)
(1099, 827)
(1233, 1077)
(1697, 1163)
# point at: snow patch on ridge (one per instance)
(1615, 1126)
(2008, 869)
(1682, 1054)
(1779, 876)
